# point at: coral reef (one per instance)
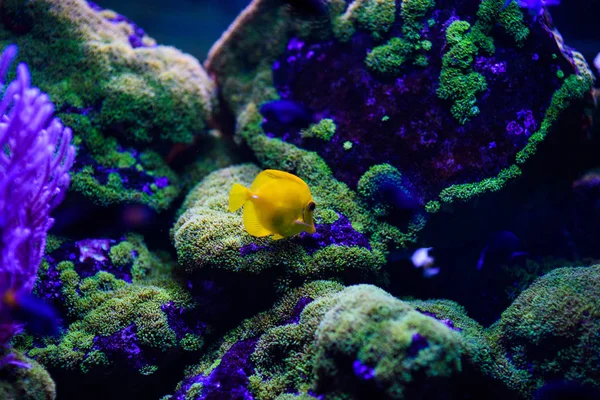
(322, 340)
(487, 79)
(480, 66)
(125, 98)
(551, 329)
(124, 314)
(370, 342)
(208, 237)
(305, 345)
(461, 129)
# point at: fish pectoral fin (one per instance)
(252, 223)
(277, 237)
(300, 222)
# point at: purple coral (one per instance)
(363, 371)
(229, 379)
(34, 178)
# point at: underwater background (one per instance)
(439, 237)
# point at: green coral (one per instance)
(18, 383)
(523, 276)
(388, 59)
(375, 16)
(468, 191)
(560, 310)
(110, 94)
(114, 191)
(370, 183)
(54, 242)
(481, 351)
(122, 254)
(324, 130)
(458, 81)
(263, 324)
(573, 88)
(105, 306)
(205, 222)
(368, 325)
(101, 305)
(337, 327)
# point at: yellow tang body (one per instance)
(278, 204)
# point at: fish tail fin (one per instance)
(238, 196)
(39, 317)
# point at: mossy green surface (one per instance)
(553, 326)
(387, 59)
(105, 306)
(265, 323)
(101, 305)
(18, 383)
(207, 235)
(573, 89)
(118, 100)
(480, 351)
(323, 130)
(375, 16)
(379, 331)
(338, 326)
(114, 191)
(459, 82)
(370, 183)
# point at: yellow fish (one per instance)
(278, 204)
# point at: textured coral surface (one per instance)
(459, 127)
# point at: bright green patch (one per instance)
(324, 130)
(375, 16)
(459, 83)
(387, 59)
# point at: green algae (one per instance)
(110, 94)
(560, 307)
(359, 322)
(18, 383)
(101, 305)
(370, 183)
(573, 89)
(388, 59)
(375, 16)
(261, 324)
(323, 130)
(459, 83)
(205, 221)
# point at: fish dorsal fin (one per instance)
(270, 174)
(251, 222)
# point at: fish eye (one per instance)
(311, 206)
